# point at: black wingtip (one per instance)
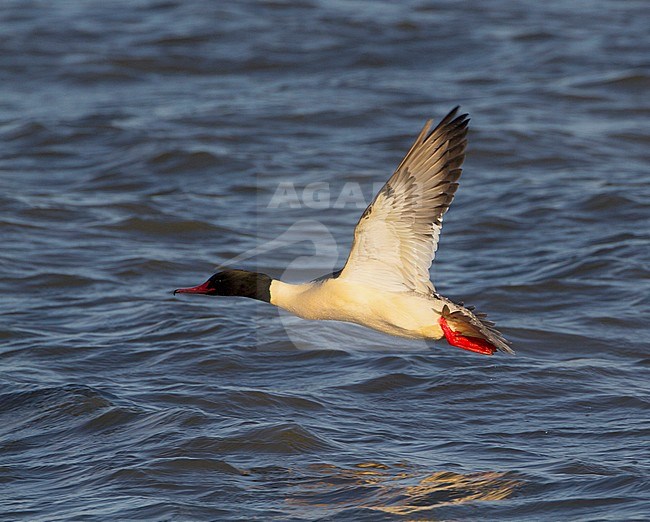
(452, 120)
(452, 113)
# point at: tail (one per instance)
(471, 330)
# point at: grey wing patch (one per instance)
(388, 191)
(325, 277)
(366, 213)
(475, 324)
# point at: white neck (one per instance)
(288, 296)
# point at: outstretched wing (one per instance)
(397, 236)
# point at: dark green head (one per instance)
(238, 283)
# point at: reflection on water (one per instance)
(400, 489)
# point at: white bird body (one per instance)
(404, 314)
(385, 283)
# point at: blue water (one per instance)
(144, 143)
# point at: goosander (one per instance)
(385, 283)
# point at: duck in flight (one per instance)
(385, 283)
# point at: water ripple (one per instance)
(141, 148)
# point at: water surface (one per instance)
(144, 142)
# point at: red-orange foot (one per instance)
(473, 344)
